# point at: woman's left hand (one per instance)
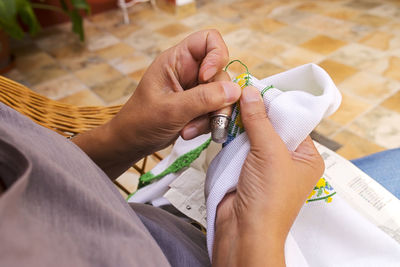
(174, 97)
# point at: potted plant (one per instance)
(15, 12)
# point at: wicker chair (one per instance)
(64, 119)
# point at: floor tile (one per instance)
(313, 7)
(267, 47)
(379, 40)
(56, 40)
(386, 10)
(265, 70)
(122, 30)
(393, 69)
(370, 87)
(338, 71)
(293, 35)
(115, 89)
(354, 146)
(392, 27)
(350, 108)
(101, 41)
(198, 20)
(74, 57)
(266, 25)
(323, 44)
(242, 38)
(327, 127)
(107, 20)
(130, 64)
(17, 76)
(296, 56)
(59, 87)
(96, 74)
(362, 4)
(173, 29)
(116, 51)
(137, 75)
(288, 15)
(39, 67)
(83, 98)
(379, 125)
(247, 58)
(341, 13)
(393, 102)
(357, 55)
(142, 40)
(321, 24)
(221, 27)
(370, 20)
(129, 180)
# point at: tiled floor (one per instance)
(356, 41)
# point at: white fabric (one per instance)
(324, 234)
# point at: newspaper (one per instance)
(186, 193)
(362, 192)
(358, 189)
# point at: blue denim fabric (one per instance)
(384, 167)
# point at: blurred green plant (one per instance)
(11, 10)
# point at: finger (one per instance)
(196, 127)
(258, 127)
(223, 76)
(205, 98)
(208, 47)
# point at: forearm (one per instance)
(103, 147)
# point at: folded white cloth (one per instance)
(328, 232)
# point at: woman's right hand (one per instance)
(253, 222)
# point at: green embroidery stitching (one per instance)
(183, 161)
(322, 198)
(322, 191)
(263, 91)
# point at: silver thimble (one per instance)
(219, 127)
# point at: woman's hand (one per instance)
(253, 222)
(173, 98)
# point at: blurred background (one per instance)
(90, 53)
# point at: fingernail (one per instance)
(209, 73)
(251, 94)
(190, 132)
(232, 91)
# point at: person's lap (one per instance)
(384, 167)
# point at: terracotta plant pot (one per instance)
(6, 60)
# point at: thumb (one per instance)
(206, 98)
(259, 129)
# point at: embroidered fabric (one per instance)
(326, 233)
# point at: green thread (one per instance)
(247, 78)
(321, 198)
(236, 60)
(265, 90)
(183, 161)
